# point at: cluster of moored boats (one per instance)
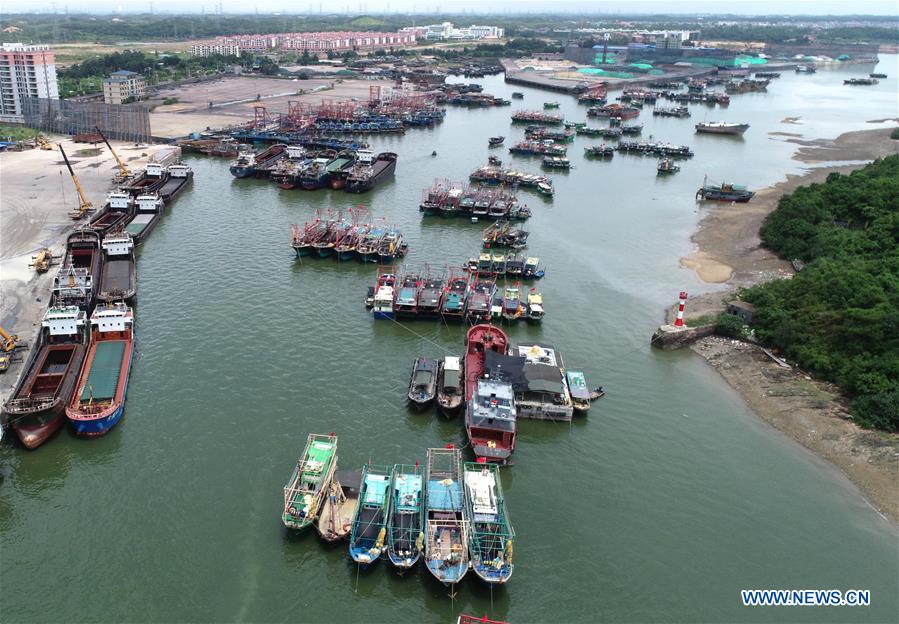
(78, 369)
(471, 295)
(496, 174)
(294, 166)
(451, 199)
(449, 514)
(353, 238)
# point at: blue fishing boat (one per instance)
(446, 518)
(369, 534)
(491, 535)
(405, 530)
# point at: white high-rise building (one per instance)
(25, 71)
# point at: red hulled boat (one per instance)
(490, 403)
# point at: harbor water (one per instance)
(660, 505)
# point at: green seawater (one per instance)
(660, 505)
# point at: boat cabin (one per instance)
(536, 373)
(113, 317)
(64, 320)
(365, 157)
(383, 302)
(452, 375)
(119, 200)
(179, 171)
(155, 170)
(296, 152)
(73, 285)
(149, 203)
(119, 244)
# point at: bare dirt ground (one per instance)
(234, 98)
(728, 244)
(812, 413)
(36, 195)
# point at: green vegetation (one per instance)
(839, 316)
(17, 133)
(87, 77)
(895, 134)
(730, 326)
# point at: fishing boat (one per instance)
(556, 162)
(423, 382)
(99, 398)
(600, 151)
(490, 405)
(79, 271)
(346, 247)
(580, 393)
(806, 69)
(495, 141)
(532, 269)
(382, 305)
(861, 81)
(499, 264)
(449, 385)
(545, 188)
(179, 177)
(517, 95)
(512, 308)
(118, 276)
(494, 161)
(119, 207)
(514, 265)
(534, 309)
(550, 105)
(502, 234)
(391, 246)
(405, 529)
(430, 296)
(666, 165)
(446, 518)
(368, 538)
(308, 485)
(406, 303)
(491, 534)
(452, 307)
(477, 307)
(35, 409)
(335, 520)
(877, 75)
(721, 127)
(723, 192)
(148, 212)
(368, 248)
(370, 170)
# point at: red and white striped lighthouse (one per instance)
(680, 310)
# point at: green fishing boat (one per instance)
(308, 484)
(550, 105)
(490, 536)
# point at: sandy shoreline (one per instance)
(728, 251)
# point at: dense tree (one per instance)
(839, 316)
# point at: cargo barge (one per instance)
(76, 281)
(118, 278)
(148, 212)
(36, 407)
(249, 165)
(99, 399)
(151, 180)
(179, 176)
(369, 170)
(119, 207)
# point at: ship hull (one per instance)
(242, 172)
(384, 315)
(731, 130)
(99, 424)
(383, 169)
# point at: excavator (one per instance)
(43, 142)
(123, 174)
(85, 204)
(8, 345)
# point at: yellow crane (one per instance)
(85, 204)
(42, 261)
(43, 142)
(123, 170)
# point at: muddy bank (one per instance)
(813, 414)
(728, 251)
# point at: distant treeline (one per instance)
(838, 318)
(70, 28)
